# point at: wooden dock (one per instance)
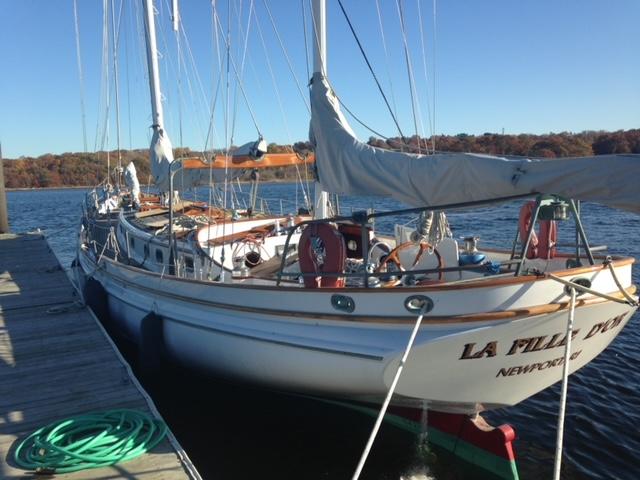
(57, 361)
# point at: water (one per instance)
(234, 432)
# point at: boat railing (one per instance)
(363, 218)
(483, 268)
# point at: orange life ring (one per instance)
(322, 249)
(543, 243)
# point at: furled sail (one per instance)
(348, 166)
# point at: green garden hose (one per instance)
(90, 441)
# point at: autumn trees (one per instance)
(87, 169)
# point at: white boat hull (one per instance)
(460, 362)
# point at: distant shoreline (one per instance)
(28, 189)
(80, 187)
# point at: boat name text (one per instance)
(522, 369)
(537, 344)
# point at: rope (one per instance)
(286, 56)
(632, 301)
(239, 80)
(387, 400)
(565, 383)
(386, 56)
(66, 308)
(424, 69)
(80, 75)
(90, 441)
(280, 105)
(366, 59)
(584, 289)
(415, 109)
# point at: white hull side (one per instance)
(356, 359)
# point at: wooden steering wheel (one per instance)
(423, 247)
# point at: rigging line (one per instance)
(115, 41)
(192, 89)
(240, 84)
(214, 101)
(226, 126)
(357, 119)
(106, 40)
(366, 59)
(273, 79)
(126, 62)
(242, 62)
(81, 77)
(177, 21)
(360, 121)
(216, 45)
(286, 56)
(407, 58)
(304, 32)
(196, 75)
(433, 141)
(241, 51)
(307, 65)
(400, 143)
(103, 67)
(386, 57)
(279, 99)
(424, 68)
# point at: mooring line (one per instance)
(565, 383)
(387, 400)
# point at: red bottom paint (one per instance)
(473, 430)
(477, 432)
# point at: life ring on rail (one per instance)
(543, 243)
(321, 249)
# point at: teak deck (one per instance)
(56, 365)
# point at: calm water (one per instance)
(234, 432)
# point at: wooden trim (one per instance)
(501, 315)
(483, 282)
(268, 160)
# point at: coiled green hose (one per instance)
(90, 441)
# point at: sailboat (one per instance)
(329, 309)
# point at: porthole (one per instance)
(418, 304)
(343, 303)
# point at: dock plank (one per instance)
(56, 361)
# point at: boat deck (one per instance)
(56, 361)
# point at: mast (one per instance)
(160, 150)
(321, 198)
(152, 64)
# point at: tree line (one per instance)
(88, 169)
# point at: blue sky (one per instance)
(527, 67)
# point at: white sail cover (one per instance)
(161, 154)
(347, 166)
